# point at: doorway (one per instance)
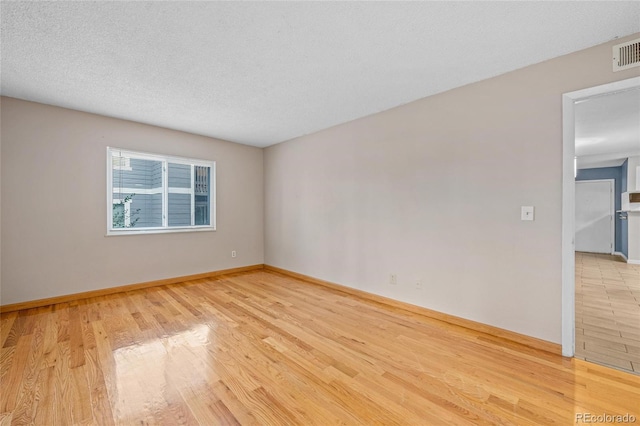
(569, 203)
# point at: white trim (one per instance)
(109, 194)
(138, 191)
(151, 191)
(165, 194)
(622, 255)
(213, 203)
(568, 226)
(192, 192)
(173, 229)
(160, 157)
(568, 203)
(612, 209)
(633, 261)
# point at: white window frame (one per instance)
(165, 159)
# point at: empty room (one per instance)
(317, 213)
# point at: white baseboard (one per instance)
(619, 253)
(626, 259)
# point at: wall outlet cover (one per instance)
(526, 213)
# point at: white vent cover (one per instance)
(626, 55)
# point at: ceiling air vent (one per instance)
(626, 55)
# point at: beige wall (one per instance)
(0, 200)
(432, 191)
(54, 205)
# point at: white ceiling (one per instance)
(607, 129)
(260, 73)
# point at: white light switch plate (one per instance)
(526, 213)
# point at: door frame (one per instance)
(568, 203)
(612, 209)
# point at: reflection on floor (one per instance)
(608, 311)
(262, 348)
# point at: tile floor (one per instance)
(608, 311)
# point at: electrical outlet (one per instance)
(233, 253)
(393, 279)
(419, 284)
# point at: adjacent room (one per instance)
(607, 269)
(319, 213)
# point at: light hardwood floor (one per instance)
(263, 348)
(608, 311)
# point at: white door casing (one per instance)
(568, 204)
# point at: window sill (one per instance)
(158, 231)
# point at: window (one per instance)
(149, 193)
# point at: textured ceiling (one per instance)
(607, 129)
(259, 73)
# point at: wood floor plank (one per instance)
(15, 374)
(100, 407)
(262, 348)
(61, 393)
(81, 406)
(15, 331)
(5, 419)
(44, 412)
(6, 325)
(27, 401)
(62, 315)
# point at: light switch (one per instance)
(526, 213)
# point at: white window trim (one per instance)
(165, 159)
(192, 192)
(149, 191)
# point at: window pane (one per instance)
(179, 197)
(179, 209)
(202, 191)
(118, 215)
(179, 175)
(152, 206)
(137, 192)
